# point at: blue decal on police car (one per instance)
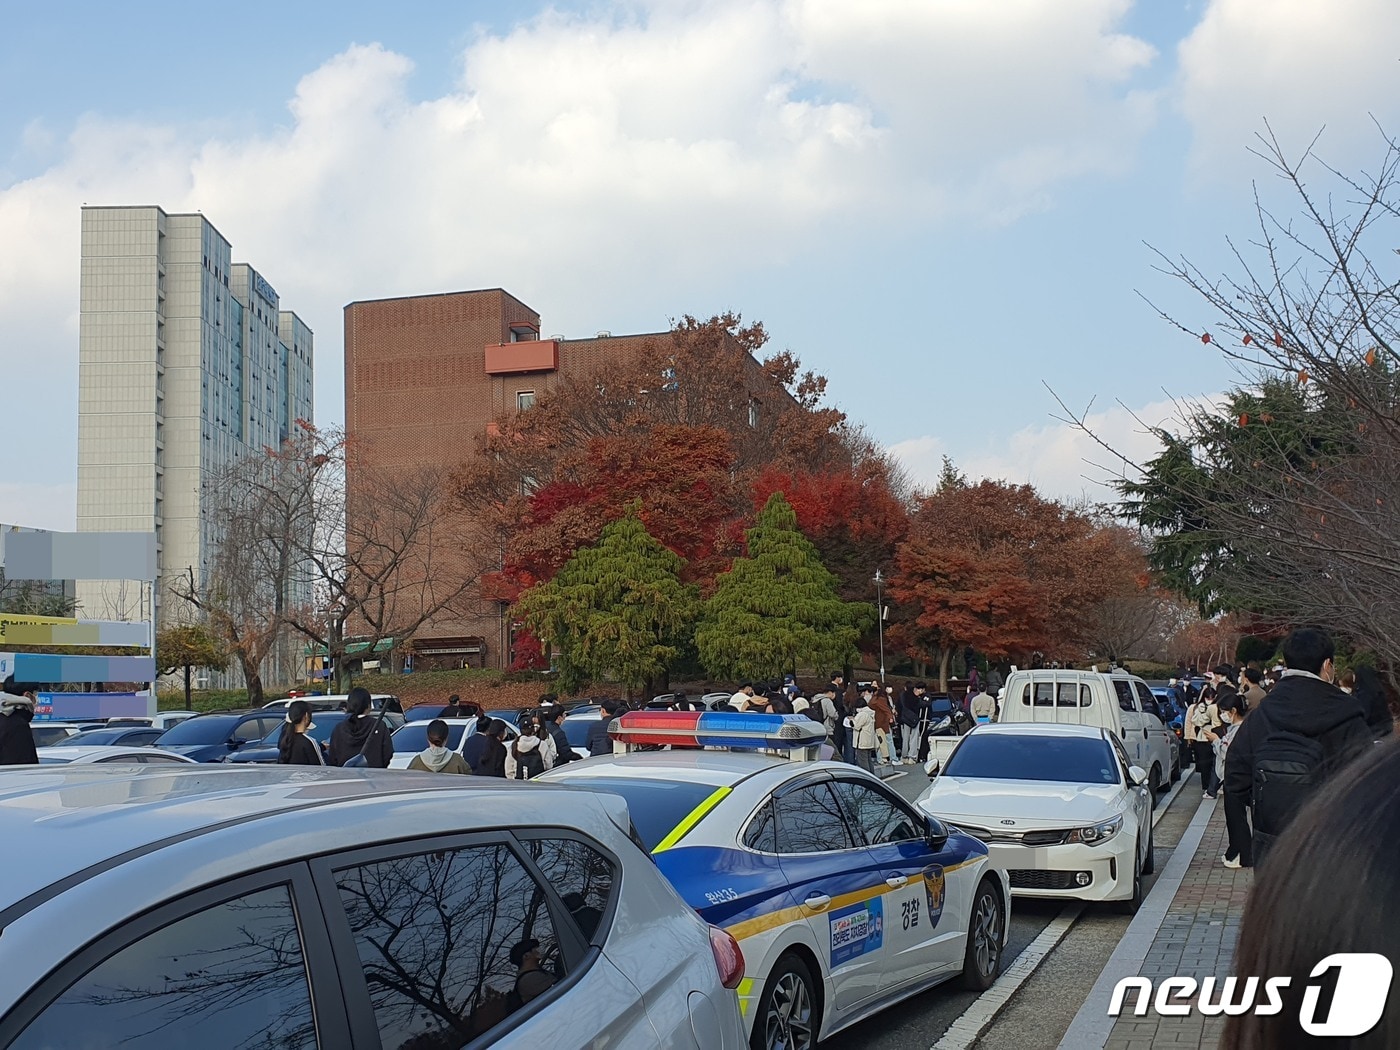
(857, 930)
(935, 888)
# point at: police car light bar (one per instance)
(716, 729)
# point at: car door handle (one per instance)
(817, 902)
(896, 881)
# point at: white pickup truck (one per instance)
(1112, 701)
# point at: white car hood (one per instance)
(1027, 803)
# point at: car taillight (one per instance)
(729, 959)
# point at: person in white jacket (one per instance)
(863, 728)
(531, 754)
(1239, 850)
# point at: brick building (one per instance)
(425, 377)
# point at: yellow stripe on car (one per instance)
(692, 818)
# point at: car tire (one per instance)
(1133, 903)
(1154, 784)
(1149, 865)
(986, 928)
(789, 994)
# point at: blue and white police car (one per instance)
(843, 897)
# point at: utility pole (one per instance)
(880, 619)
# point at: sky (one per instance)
(948, 207)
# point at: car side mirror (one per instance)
(232, 744)
(933, 768)
(1138, 774)
(937, 834)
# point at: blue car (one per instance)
(323, 723)
(215, 736)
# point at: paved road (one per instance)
(1039, 1014)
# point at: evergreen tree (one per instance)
(616, 610)
(778, 609)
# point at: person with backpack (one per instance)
(1296, 741)
(1202, 719)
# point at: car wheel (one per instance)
(1154, 784)
(788, 1017)
(1149, 865)
(985, 929)
(1133, 903)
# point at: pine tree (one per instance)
(778, 609)
(616, 610)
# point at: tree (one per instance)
(33, 598)
(998, 568)
(777, 609)
(616, 610)
(186, 646)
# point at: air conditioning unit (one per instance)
(603, 335)
(557, 338)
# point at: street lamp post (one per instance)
(880, 619)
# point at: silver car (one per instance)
(304, 908)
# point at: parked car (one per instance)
(120, 736)
(213, 737)
(47, 734)
(257, 907)
(170, 719)
(323, 723)
(412, 738)
(333, 701)
(843, 896)
(1063, 809)
(1115, 701)
(84, 755)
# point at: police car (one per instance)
(843, 897)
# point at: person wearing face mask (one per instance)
(1238, 854)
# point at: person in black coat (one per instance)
(553, 718)
(361, 733)
(1304, 704)
(294, 747)
(493, 752)
(475, 746)
(1371, 695)
(16, 738)
(599, 743)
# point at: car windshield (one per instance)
(1022, 756)
(414, 737)
(110, 736)
(205, 729)
(322, 723)
(656, 806)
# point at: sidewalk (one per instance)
(1194, 937)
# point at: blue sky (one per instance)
(941, 204)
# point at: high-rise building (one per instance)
(186, 361)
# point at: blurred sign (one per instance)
(80, 556)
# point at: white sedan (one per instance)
(65, 755)
(411, 738)
(1061, 809)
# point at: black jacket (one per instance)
(564, 751)
(1309, 707)
(491, 759)
(599, 743)
(365, 733)
(909, 706)
(303, 752)
(17, 740)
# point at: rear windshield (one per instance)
(202, 730)
(414, 737)
(576, 730)
(1056, 694)
(1021, 756)
(656, 806)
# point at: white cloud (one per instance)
(1299, 63)
(590, 161)
(1061, 461)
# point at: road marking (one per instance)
(1092, 1026)
(965, 1031)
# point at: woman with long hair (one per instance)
(294, 747)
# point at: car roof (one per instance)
(121, 811)
(1039, 729)
(73, 752)
(713, 768)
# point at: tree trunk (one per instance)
(945, 657)
(253, 676)
(187, 687)
(342, 675)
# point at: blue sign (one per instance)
(263, 288)
(936, 889)
(857, 930)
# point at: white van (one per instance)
(1113, 701)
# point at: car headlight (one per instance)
(1096, 834)
(942, 723)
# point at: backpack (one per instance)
(1287, 770)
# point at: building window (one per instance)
(753, 412)
(524, 399)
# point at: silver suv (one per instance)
(303, 908)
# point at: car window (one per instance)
(581, 875)
(1149, 701)
(229, 976)
(481, 942)
(1126, 700)
(413, 737)
(876, 817)
(810, 820)
(1027, 756)
(762, 832)
(252, 729)
(1123, 760)
(157, 759)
